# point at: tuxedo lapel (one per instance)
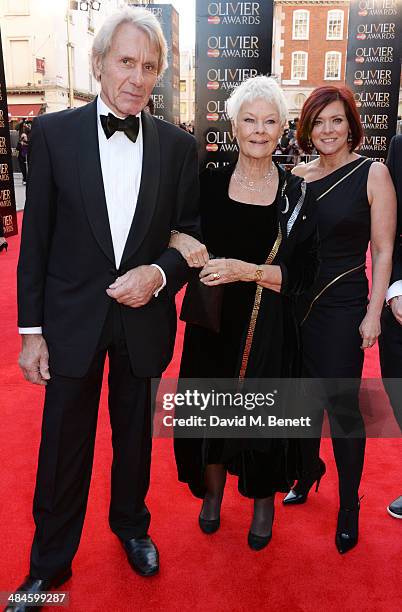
(90, 173)
(149, 187)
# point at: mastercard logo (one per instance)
(212, 85)
(358, 82)
(212, 116)
(359, 60)
(363, 13)
(360, 36)
(211, 147)
(214, 20)
(213, 52)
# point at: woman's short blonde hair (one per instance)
(257, 87)
(143, 20)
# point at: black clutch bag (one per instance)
(202, 305)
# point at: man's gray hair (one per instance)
(142, 19)
(257, 87)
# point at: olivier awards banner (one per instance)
(373, 70)
(233, 43)
(166, 93)
(8, 214)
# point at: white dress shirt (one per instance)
(394, 290)
(121, 164)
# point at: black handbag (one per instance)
(202, 305)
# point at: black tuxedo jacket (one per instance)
(394, 163)
(67, 260)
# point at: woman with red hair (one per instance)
(356, 206)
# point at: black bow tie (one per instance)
(130, 126)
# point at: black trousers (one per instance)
(67, 449)
(390, 342)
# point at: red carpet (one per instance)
(299, 571)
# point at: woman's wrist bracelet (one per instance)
(258, 274)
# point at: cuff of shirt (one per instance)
(29, 330)
(394, 290)
(163, 285)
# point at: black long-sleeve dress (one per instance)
(247, 232)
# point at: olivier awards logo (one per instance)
(367, 99)
(234, 13)
(374, 122)
(4, 172)
(3, 147)
(228, 78)
(379, 31)
(372, 77)
(233, 47)
(374, 143)
(216, 110)
(374, 54)
(223, 142)
(5, 198)
(377, 7)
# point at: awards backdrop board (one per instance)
(373, 70)
(8, 213)
(166, 93)
(233, 43)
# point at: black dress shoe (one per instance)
(33, 586)
(142, 555)
(395, 509)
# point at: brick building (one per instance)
(309, 46)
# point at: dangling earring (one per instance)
(310, 143)
(349, 137)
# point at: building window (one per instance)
(17, 7)
(300, 99)
(335, 25)
(21, 67)
(183, 109)
(301, 20)
(183, 86)
(299, 65)
(333, 65)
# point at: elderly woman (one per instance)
(356, 207)
(260, 221)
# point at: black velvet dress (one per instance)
(247, 232)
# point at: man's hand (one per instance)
(34, 359)
(136, 287)
(396, 307)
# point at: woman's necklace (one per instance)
(246, 183)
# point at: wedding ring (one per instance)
(216, 275)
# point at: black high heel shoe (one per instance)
(209, 526)
(347, 529)
(4, 245)
(299, 493)
(257, 542)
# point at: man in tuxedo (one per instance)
(390, 340)
(107, 185)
